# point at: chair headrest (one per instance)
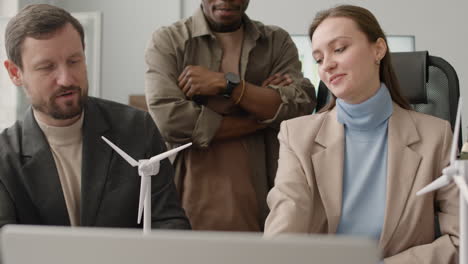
(412, 73)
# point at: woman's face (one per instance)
(347, 61)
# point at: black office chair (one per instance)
(429, 83)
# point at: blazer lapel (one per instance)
(41, 178)
(328, 168)
(95, 158)
(402, 164)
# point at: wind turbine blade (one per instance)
(143, 189)
(440, 182)
(454, 150)
(461, 183)
(170, 152)
(124, 155)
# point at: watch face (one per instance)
(232, 80)
(232, 77)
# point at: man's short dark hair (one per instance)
(39, 22)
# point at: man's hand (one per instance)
(198, 80)
(278, 79)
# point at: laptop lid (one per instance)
(78, 245)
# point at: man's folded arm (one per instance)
(179, 119)
(298, 98)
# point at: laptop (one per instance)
(78, 245)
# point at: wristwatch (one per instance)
(232, 80)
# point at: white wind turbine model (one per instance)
(146, 169)
(456, 172)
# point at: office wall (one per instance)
(8, 7)
(439, 26)
(126, 28)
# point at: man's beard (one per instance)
(224, 28)
(71, 109)
(220, 28)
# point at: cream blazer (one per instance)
(307, 196)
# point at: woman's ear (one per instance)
(380, 49)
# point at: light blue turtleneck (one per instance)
(365, 164)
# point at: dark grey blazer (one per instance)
(30, 189)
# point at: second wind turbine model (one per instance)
(456, 172)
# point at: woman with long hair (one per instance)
(355, 167)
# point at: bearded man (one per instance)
(224, 82)
(54, 167)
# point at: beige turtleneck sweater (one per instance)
(66, 146)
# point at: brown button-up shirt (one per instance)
(266, 50)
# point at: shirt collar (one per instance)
(62, 135)
(200, 26)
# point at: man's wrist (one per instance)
(221, 84)
(232, 81)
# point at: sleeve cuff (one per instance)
(206, 127)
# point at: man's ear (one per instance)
(14, 72)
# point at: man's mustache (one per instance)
(64, 90)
